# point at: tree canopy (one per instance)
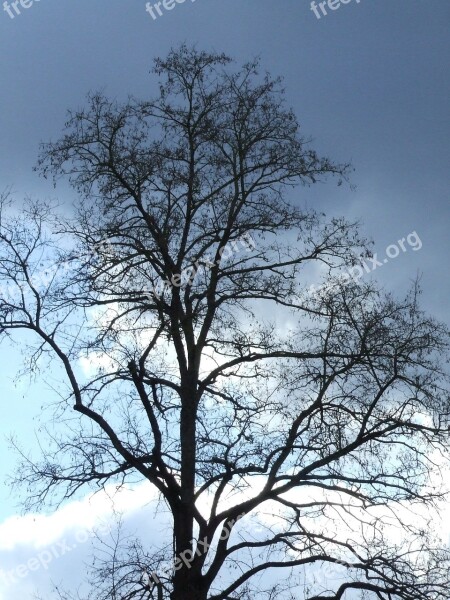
(183, 274)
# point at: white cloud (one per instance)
(38, 530)
(36, 549)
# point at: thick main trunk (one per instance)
(185, 525)
(187, 587)
(188, 584)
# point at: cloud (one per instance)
(37, 549)
(37, 531)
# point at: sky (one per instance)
(369, 83)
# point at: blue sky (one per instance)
(369, 82)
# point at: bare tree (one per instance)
(219, 377)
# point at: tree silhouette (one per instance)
(287, 432)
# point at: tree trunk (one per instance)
(187, 582)
(186, 588)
